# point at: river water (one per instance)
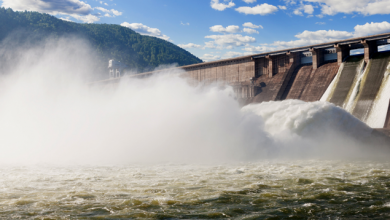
(259, 190)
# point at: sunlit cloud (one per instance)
(365, 7)
(215, 4)
(229, 41)
(263, 9)
(210, 57)
(229, 29)
(145, 30)
(250, 25)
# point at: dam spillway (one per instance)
(309, 85)
(309, 73)
(371, 85)
(345, 80)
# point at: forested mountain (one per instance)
(108, 40)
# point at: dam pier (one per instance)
(328, 72)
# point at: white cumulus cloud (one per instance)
(263, 9)
(298, 12)
(371, 29)
(308, 9)
(70, 8)
(231, 29)
(249, 1)
(365, 7)
(250, 31)
(250, 25)
(232, 54)
(314, 37)
(215, 4)
(228, 29)
(189, 45)
(323, 36)
(86, 18)
(116, 13)
(145, 30)
(290, 2)
(229, 41)
(258, 49)
(75, 8)
(282, 7)
(49, 6)
(102, 9)
(109, 13)
(210, 57)
(66, 19)
(303, 39)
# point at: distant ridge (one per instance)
(109, 41)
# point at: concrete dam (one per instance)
(331, 72)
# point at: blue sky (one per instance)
(218, 29)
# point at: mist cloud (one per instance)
(50, 114)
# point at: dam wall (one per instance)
(272, 76)
(230, 71)
(325, 71)
(239, 73)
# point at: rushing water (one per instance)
(261, 190)
(160, 148)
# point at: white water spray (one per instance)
(48, 114)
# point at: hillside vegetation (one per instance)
(109, 41)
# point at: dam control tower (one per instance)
(115, 68)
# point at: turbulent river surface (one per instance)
(298, 189)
